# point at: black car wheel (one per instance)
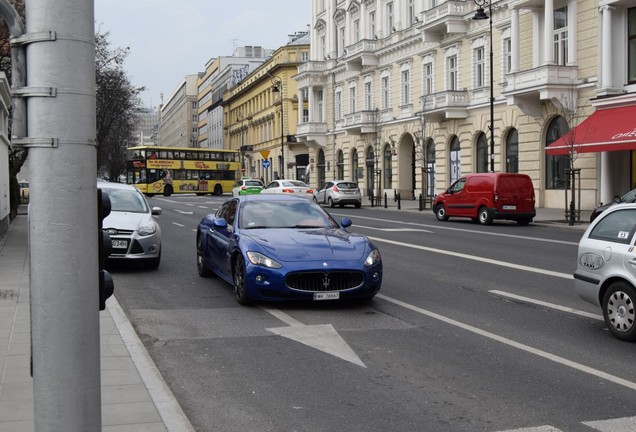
(201, 268)
(153, 263)
(440, 213)
(331, 203)
(240, 290)
(619, 312)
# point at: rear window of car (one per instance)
(253, 183)
(617, 227)
(294, 183)
(347, 185)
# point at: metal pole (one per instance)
(492, 96)
(64, 282)
(282, 133)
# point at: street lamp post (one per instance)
(481, 15)
(277, 86)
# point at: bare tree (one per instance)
(572, 114)
(117, 102)
(421, 153)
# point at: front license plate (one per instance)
(120, 244)
(326, 296)
(510, 207)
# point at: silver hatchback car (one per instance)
(606, 268)
(338, 193)
(133, 230)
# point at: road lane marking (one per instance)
(475, 258)
(322, 337)
(438, 227)
(613, 425)
(552, 357)
(548, 305)
(178, 224)
(395, 229)
(183, 212)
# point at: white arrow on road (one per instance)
(322, 337)
(183, 212)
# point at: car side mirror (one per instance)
(617, 199)
(345, 222)
(220, 223)
(156, 211)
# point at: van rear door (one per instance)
(515, 193)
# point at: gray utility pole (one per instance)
(60, 135)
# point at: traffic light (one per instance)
(105, 246)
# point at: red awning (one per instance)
(608, 129)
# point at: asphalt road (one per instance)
(476, 328)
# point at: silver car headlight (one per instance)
(147, 230)
(259, 259)
(372, 258)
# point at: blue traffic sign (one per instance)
(266, 163)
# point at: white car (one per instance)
(606, 268)
(292, 187)
(247, 186)
(134, 233)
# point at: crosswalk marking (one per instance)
(623, 424)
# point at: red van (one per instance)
(487, 196)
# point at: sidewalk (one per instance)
(134, 396)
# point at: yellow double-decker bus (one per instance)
(174, 170)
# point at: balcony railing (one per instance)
(448, 17)
(447, 104)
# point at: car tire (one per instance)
(239, 278)
(524, 221)
(167, 191)
(484, 216)
(153, 264)
(218, 189)
(315, 200)
(619, 310)
(331, 203)
(440, 213)
(201, 267)
(358, 205)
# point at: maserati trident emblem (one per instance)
(325, 282)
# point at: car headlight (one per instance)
(147, 230)
(259, 259)
(372, 258)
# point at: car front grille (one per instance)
(324, 281)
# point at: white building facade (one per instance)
(179, 116)
(398, 94)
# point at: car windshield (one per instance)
(284, 214)
(123, 200)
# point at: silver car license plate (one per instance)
(331, 295)
(119, 244)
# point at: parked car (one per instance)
(283, 247)
(627, 198)
(484, 197)
(24, 191)
(605, 273)
(339, 193)
(134, 233)
(247, 186)
(292, 187)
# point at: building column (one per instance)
(301, 105)
(605, 180)
(310, 104)
(606, 47)
(548, 31)
(514, 40)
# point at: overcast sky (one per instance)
(170, 39)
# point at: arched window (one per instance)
(430, 165)
(555, 166)
(340, 165)
(512, 151)
(482, 153)
(455, 159)
(387, 167)
(321, 167)
(355, 166)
